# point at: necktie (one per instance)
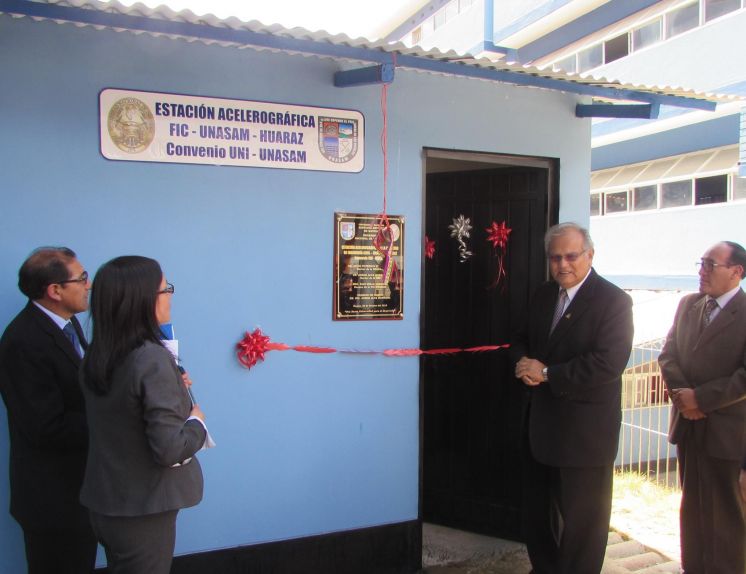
(559, 309)
(710, 307)
(70, 333)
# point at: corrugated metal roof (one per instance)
(685, 166)
(210, 29)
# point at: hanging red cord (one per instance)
(384, 240)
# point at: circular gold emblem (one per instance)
(131, 125)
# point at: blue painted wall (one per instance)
(307, 444)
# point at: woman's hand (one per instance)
(197, 412)
(186, 379)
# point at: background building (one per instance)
(662, 189)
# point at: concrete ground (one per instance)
(449, 551)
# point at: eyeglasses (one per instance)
(709, 264)
(569, 257)
(168, 289)
(82, 279)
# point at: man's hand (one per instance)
(693, 414)
(684, 399)
(530, 371)
(686, 402)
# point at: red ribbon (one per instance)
(251, 349)
(429, 247)
(498, 236)
(384, 244)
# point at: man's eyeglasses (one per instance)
(82, 279)
(709, 264)
(168, 289)
(569, 257)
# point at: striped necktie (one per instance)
(710, 307)
(559, 309)
(70, 333)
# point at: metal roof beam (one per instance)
(381, 74)
(246, 37)
(644, 111)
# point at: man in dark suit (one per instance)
(704, 366)
(570, 354)
(40, 352)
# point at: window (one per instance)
(641, 390)
(451, 10)
(739, 187)
(681, 20)
(464, 4)
(645, 197)
(439, 19)
(590, 58)
(646, 35)
(417, 35)
(616, 202)
(616, 48)
(595, 204)
(711, 189)
(566, 65)
(658, 391)
(716, 8)
(676, 193)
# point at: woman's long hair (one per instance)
(123, 300)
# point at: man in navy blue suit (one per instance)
(570, 354)
(40, 352)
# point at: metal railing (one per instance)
(646, 408)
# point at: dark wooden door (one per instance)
(471, 472)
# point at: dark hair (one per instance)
(45, 265)
(737, 256)
(561, 228)
(123, 300)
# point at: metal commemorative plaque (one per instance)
(368, 267)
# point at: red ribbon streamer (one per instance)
(251, 349)
(498, 236)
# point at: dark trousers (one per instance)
(137, 544)
(68, 551)
(566, 515)
(713, 517)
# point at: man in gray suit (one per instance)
(704, 366)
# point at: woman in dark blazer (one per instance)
(144, 431)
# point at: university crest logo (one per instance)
(131, 125)
(338, 138)
(347, 230)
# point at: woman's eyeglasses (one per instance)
(168, 289)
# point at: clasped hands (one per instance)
(685, 401)
(530, 371)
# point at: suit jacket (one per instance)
(712, 361)
(574, 418)
(46, 421)
(139, 430)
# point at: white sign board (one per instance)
(172, 128)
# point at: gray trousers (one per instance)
(713, 516)
(137, 544)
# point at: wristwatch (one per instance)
(545, 374)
